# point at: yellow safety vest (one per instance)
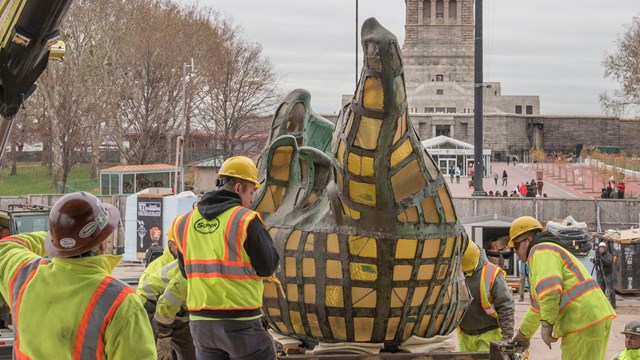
(562, 292)
(218, 269)
(487, 277)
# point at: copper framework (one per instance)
(361, 216)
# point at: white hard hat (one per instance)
(602, 244)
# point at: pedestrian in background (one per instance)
(64, 302)
(495, 177)
(603, 265)
(565, 299)
(504, 177)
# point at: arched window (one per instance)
(439, 9)
(453, 9)
(426, 10)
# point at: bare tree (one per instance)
(239, 87)
(623, 66)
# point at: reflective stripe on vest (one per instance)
(577, 291)
(549, 285)
(487, 278)
(563, 255)
(164, 275)
(99, 312)
(232, 266)
(18, 284)
(180, 227)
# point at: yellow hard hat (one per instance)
(240, 167)
(522, 225)
(471, 257)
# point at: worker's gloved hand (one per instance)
(164, 348)
(521, 340)
(547, 333)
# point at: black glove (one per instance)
(521, 340)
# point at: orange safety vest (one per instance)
(105, 301)
(215, 259)
(487, 277)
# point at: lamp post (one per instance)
(182, 139)
(478, 161)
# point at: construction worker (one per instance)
(564, 297)
(631, 342)
(68, 306)
(163, 291)
(603, 265)
(225, 250)
(490, 316)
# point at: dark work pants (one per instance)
(181, 339)
(232, 339)
(606, 285)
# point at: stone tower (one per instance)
(438, 54)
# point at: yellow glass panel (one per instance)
(448, 248)
(363, 328)
(431, 248)
(314, 325)
(401, 127)
(292, 292)
(401, 152)
(334, 295)
(354, 214)
(407, 181)
(406, 248)
(392, 327)
(310, 293)
(294, 240)
(281, 163)
(296, 322)
(273, 231)
(309, 244)
(338, 328)
(443, 271)
(334, 269)
(400, 95)
(365, 272)
(362, 193)
(445, 200)
(280, 326)
(398, 297)
(418, 295)
(373, 97)
(340, 154)
(422, 330)
(272, 199)
(270, 292)
(425, 272)
(447, 296)
(408, 328)
(360, 165)
(308, 267)
(368, 133)
(332, 243)
(362, 246)
(402, 272)
(431, 165)
(430, 210)
(273, 312)
(411, 215)
(439, 321)
(290, 266)
(363, 297)
(434, 294)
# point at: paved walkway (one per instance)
(516, 175)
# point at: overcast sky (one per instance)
(550, 48)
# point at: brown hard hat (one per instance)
(78, 222)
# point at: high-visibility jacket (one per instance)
(218, 269)
(70, 308)
(173, 300)
(628, 354)
(562, 292)
(487, 278)
(156, 276)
